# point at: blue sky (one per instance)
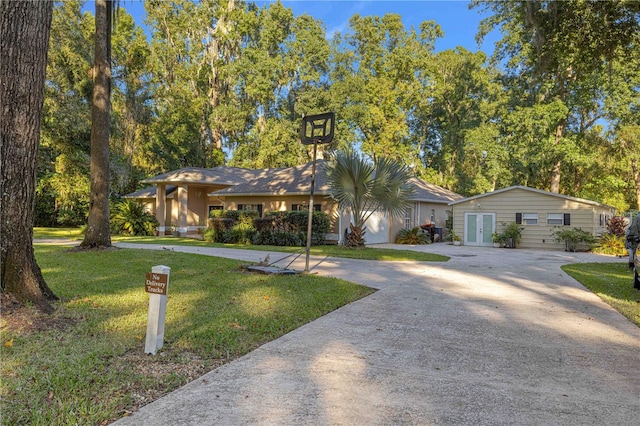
(458, 22)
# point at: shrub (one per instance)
(293, 226)
(287, 228)
(130, 218)
(319, 227)
(512, 231)
(230, 226)
(209, 235)
(241, 231)
(616, 226)
(498, 238)
(263, 238)
(217, 226)
(610, 244)
(572, 238)
(234, 214)
(264, 223)
(412, 236)
(239, 234)
(213, 214)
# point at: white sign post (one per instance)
(157, 285)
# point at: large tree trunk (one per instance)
(98, 232)
(24, 41)
(556, 170)
(635, 170)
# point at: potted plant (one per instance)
(497, 239)
(512, 235)
(174, 231)
(455, 238)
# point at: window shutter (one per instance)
(519, 218)
(566, 219)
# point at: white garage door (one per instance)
(377, 228)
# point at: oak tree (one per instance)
(24, 40)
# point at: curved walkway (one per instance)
(494, 336)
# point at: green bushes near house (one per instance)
(230, 226)
(129, 217)
(287, 228)
(510, 236)
(413, 236)
(572, 238)
(610, 244)
(613, 241)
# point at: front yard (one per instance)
(85, 364)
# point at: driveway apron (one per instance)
(493, 336)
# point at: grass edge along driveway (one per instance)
(368, 253)
(85, 363)
(612, 282)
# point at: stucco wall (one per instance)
(506, 204)
(149, 205)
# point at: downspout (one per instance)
(340, 239)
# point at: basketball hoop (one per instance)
(315, 129)
(318, 128)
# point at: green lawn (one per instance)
(71, 233)
(613, 283)
(85, 364)
(325, 250)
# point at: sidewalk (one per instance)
(494, 336)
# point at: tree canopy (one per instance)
(227, 82)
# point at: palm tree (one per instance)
(363, 188)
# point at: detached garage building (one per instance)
(539, 213)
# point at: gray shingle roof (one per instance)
(150, 192)
(290, 181)
(297, 181)
(429, 192)
(220, 175)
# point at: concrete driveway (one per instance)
(494, 336)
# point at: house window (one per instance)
(296, 207)
(530, 218)
(212, 208)
(555, 219)
(432, 218)
(252, 207)
(407, 218)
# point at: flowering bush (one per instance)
(616, 226)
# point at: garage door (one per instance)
(377, 228)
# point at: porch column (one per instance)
(182, 212)
(161, 206)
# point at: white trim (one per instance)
(480, 232)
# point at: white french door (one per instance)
(478, 228)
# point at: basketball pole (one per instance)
(309, 225)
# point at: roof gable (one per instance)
(526, 188)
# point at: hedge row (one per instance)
(276, 228)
